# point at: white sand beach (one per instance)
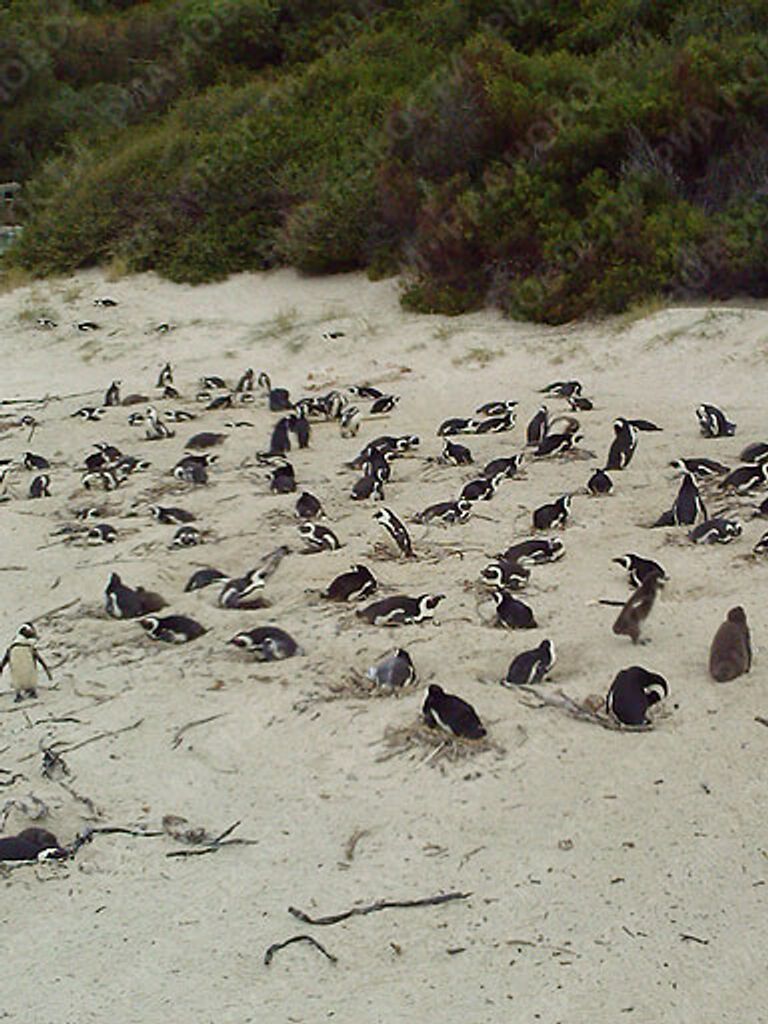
(613, 875)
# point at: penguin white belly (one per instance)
(23, 668)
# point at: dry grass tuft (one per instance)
(418, 742)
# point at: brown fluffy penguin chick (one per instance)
(731, 652)
(637, 608)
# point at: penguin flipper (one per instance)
(45, 668)
(4, 662)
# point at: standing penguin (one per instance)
(624, 443)
(23, 658)
(731, 652)
(637, 608)
(536, 430)
(112, 397)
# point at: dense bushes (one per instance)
(556, 158)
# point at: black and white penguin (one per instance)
(224, 401)
(639, 568)
(101, 533)
(23, 659)
(384, 404)
(123, 602)
(279, 399)
(171, 516)
(530, 667)
(165, 377)
(367, 486)
(240, 592)
(86, 325)
(747, 478)
(246, 382)
(580, 403)
(282, 479)
(112, 396)
(716, 531)
(35, 462)
(155, 429)
(713, 422)
(365, 391)
(92, 413)
(701, 468)
(505, 575)
(191, 473)
(632, 692)
(562, 388)
(206, 439)
(455, 454)
(508, 466)
(457, 425)
(599, 483)
(187, 537)
(318, 537)
(212, 382)
(755, 452)
(552, 515)
(534, 551)
(396, 529)
(511, 612)
(556, 444)
(401, 610)
(357, 583)
(446, 512)
(538, 426)
(204, 578)
(32, 844)
(481, 488)
(761, 547)
(349, 421)
(496, 424)
(106, 303)
(172, 629)
(394, 671)
(300, 428)
(688, 505)
(761, 510)
(267, 643)
(494, 409)
(377, 464)
(40, 486)
(623, 446)
(44, 323)
(451, 714)
(308, 506)
(165, 328)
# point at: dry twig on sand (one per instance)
(435, 745)
(297, 938)
(584, 712)
(191, 725)
(372, 908)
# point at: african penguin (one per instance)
(171, 516)
(267, 643)
(396, 529)
(512, 613)
(308, 506)
(637, 608)
(451, 714)
(394, 671)
(713, 422)
(457, 425)
(31, 844)
(623, 446)
(357, 583)
(639, 568)
(534, 551)
(599, 483)
(554, 514)
(172, 629)
(632, 692)
(401, 610)
(23, 658)
(203, 578)
(455, 454)
(318, 537)
(530, 667)
(716, 531)
(536, 430)
(505, 575)
(730, 654)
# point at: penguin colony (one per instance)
(701, 512)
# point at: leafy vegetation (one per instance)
(555, 158)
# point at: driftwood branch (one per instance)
(561, 700)
(191, 725)
(212, 845)
(428, 901)
(297, 938)
(99, 736)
